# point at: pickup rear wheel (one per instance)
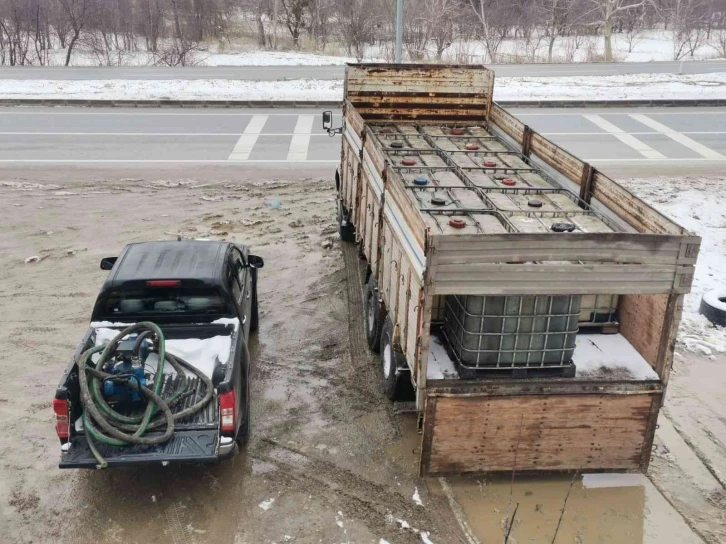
(392, 358)
(375, 315)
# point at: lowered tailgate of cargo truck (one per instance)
(557, 430)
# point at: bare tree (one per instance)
(688, 20)
(79, 13)
(605, 13)
(357, 25)
(294, 18)
(493, 18)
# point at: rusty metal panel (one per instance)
(557, 158)
(415, 91)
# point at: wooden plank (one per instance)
(555, 156)
(485, 434)
(641, 319)
(376, 156)
(353, 118)
(631, 209)
(667, 344)
(507, 122)
(554, 279)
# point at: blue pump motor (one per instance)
(126, 369)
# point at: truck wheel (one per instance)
(392, 359)
(713, 306)
(374, 316)
(347, 232)
(255, 317)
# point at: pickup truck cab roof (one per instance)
(200, 261)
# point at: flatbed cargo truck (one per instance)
(531, 302)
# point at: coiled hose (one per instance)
(123, 430)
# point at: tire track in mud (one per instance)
(376, 505)
(174, 515)
(361, 358)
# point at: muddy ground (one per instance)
(328, 460)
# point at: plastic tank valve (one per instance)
(471, 147)
(490, 164)
(457, 223)
(509, 182)
(408, 162)
(562, 227)
(534, 203)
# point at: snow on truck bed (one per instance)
(202, 353)
(597, 356)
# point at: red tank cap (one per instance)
(471, 147)
(408, 162)
(457, 223)
(457, 131)
(490, 164)
(509, 182)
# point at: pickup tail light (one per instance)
(228, 411)
(62, 419)
(163, 283)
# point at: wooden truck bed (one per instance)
(440, 184)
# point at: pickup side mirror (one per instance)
(255, 262)
(327, 120)
(108, 262)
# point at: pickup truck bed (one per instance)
(202, 296)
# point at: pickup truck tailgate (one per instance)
(185, 446)
(196, 438)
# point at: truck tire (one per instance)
(347, 232)
(374, 317)
(713, 306)
(392, 358)
(255, 310)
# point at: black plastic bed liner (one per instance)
(185, 446)
(195, 437)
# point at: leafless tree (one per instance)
(79, 13)
(294, 17)
(357, 25)
(604, 14)
(494, 23)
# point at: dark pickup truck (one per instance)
(202, 295)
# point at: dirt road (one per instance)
(328, 461)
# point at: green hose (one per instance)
(117, 429)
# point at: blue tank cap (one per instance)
(420, 180)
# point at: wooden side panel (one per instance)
(415, 91)
(501, 264)
(630, 208)
(349, 176)
(353, 119)
(473, 434)
(386, 266)
(641, 320)
(376, 156)
(375, 214)
(507, 122)
(414, 311)
(362, 212)
(557, 158)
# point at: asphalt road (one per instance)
(646, 141)
(273, 73)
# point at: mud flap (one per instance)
(184, 447)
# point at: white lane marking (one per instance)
(600, 133)
(101, 111)
(641, 147)
(300, 142)
(520, 113)
(165, 161)
(248, 139)
(657, 160)
(165, 134)
(677, 136)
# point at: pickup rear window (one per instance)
(161, 300)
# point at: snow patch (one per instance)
(416, 497)
(266, 505)
(619, 87)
